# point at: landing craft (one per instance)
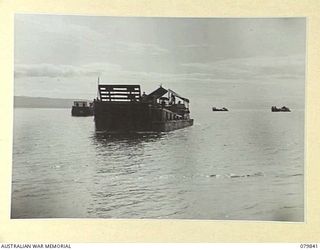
(283, 109)
(82, 108)
(217, 109)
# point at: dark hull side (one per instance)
(217, 109)
(283, 109)
(134, 117)
(82, 111)
(171, 125)
(280, 111)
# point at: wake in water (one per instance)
(236, 176)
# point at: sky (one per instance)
(231, 62)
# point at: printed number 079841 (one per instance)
(308, 245)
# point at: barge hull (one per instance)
(134, 117)
(82, 111)
(171, 125)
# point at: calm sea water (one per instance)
(237, 165)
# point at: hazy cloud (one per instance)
(244, 69)
(50, 70)
(140, 48)
(255, 67)
(194, 46)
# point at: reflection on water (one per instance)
(130, 180)
(237, 165)
(129, 139)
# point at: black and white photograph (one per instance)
(123, 117)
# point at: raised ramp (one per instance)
(119, 93)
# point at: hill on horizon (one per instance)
(43, 102)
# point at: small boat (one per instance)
(282, 109)
(122, 109)
(217, 109)
(82, 108)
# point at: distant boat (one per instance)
(282, 109)
(217, 109)
(82, 108)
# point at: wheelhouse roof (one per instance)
(158, 93)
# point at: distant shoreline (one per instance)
(43, 102)
(42, 107)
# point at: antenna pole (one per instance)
(98, 93)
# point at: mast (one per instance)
(98, 92)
